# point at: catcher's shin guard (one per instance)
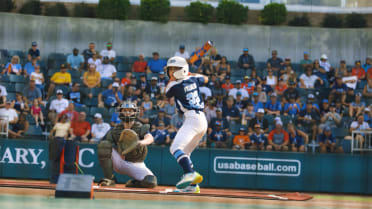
(104, 156)
(148, 182)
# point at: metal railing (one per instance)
(4, 126)
(361, 141)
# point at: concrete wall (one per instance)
(56, 34)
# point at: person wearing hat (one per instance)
(291, 108)
(275, 61)
(327, 142)
(76, 95)
(31, 92)
(59, 78)
(258, 138)
(241, 141)
(218, 137)
(160, 119)
(59, 104)
(281, 87)
(273, 106)
(88, 53)
(152, 88)
(358, 71)
(247, 84)
(109, 52)
(99, 129)
(311, 98)
(259, 119)
(298, 139)
(227, 85)
(308, 80)
(357, 106)
(278, 138)
(182, 52)
(230, 111)
(91, 78)
(156, 65)
(239, 102)
(367, 91)
(222, 120)
(246, 61)
(308, 119)
(80, 128)
(162, 81)
(330, 119)
(106, 69)
(306, 61)
(324, 64)
(256, 102)
(8, 115)
(75, 61)
(161, 135)
(140, 65)
(339, 90)
(237, 88)
(292, 91)
(33, 52)
(110, 97)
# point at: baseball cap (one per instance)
(324, 56)
(161, 124)
(367, 109)
(358, 94)
(34, 43)
(306, 52)
(161, 73)
(227, 77)
(63, 66)
(279, 123)
(98, 115)
(325, 101)
(115, 85)
(219, 109)
(274, 94)
(292, 82)
(261, 110)
(255, 93)
(327, 128)
(238, 93)
(238, 81)
(310, 96)
(242, 129)
(218, 123)
(246, 77)
(182, 46)
(109, 44)
(332, 105)
(105, 57)
(154, 78)
(59, 91)
(245, 49)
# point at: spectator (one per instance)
(342, 70)
(30, 93)
(308, 119)
(218, 137)
(19, 128)
(205, 91)
(356, 107)
(37, 113)
(153, 89)
(77, 96)
(280, 87)
(38, 77)
(219, 118)
(266, 88)
(330, 119)
(248, 114)
(275, 61)
(80, 129)
(125, 81)
(255, 79)
(241, 141)
(214, 57)
(30, 67)
(324, 108)
(219, 93)
(256, 102)
(170, 108)
(206, 67)
(110, 97)
(308, 80)
(262, 96)
(324, 64)
(367, 90)
(271, 79)
(115, 120)
(61, 128)
(259, 119)
(237, 88)
(306, 61)
(88, 53)
(273, 107)
(227, 85)
(140, 65)
(3, 92)
(369, 74)
(106, 70)
(210, 110)
(156, 65)
(162, 81)
(368, 64)
(258, 138)
(161, 118)
(33, 52)
(297, 138)
(75, 61)
(358, 71)
(57, 105)
(8, 114)
(350, 80)
(99, 129)
(142, 117)
(246, 61)
(109, 52)
(182, 53)
(286, 65)
(223, 68)
(327, 142)
(292, 91)
(292, 108)
(338, 90)
(146, 103)
(311, 98)
(230, 112)
(13, 67)
(359, 125)
(161, 135)
(72, 115)
(95, 59)
(288, 74)
(59, 78)
(177, 120)
(19, 104)
(91, 78)
(142, 83)
(248, 85)
(239, 103)
(2, 97)
(278, 138)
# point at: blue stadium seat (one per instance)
(3, 53)
(234, 128)
(52, 71)
(119, 59)
(91, 102)
(19, 87)
(4, 78)
(105, 83)
(34, 131)
(123, 67)
(233, 64)
(82, 109)
(120, 74)
(20, 53)
(18, 78)
(64, 88)
(236, 72)
(132, 59)
(57, 56)
(74, 73)
(102, 110)
(260, 65)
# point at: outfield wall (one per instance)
(61, 34)
(220, 168)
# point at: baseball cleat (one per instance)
(188, 179)
(190, 189)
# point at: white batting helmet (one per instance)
(180, 63)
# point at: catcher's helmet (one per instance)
(127, 111)
(181, 63)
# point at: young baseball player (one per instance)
(184, 87)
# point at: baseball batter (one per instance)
(110, 151)
(184, 87)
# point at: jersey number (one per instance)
(193, 99)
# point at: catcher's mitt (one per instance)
(128, 141)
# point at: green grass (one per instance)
(351, 198)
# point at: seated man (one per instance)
(57, 106)
(30, 67)
(152, 88)
(160, 119)
(273, 106)
(161, 135)
(75, 61)
(110, 97)
(231, 112)
(59, 78)
(80, 129)
(33, 52)
(258, 138)
(8, 115)
(356, 107)
(109, 52)
(338, 90)
(156, 65)
(278, 138)
(297, 138)
(106, 70)
(359, 125)
(308, 119)
(99, 129)
(330, 119)
(327, 141)
(259, 119)
(308, 80)
(246, 61)
(77, 96)
(70, 112)
(31, 92)
(139, 66)
(218, 137)
(241, 141)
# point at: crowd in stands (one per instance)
(273, 105)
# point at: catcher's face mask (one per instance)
(128, 114)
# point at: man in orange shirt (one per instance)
(227, 85)
(358, 71)
(241, 141)
(278, 138)
(139, 65)
(80, 129)
(369, 74)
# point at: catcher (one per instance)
(124, 150)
